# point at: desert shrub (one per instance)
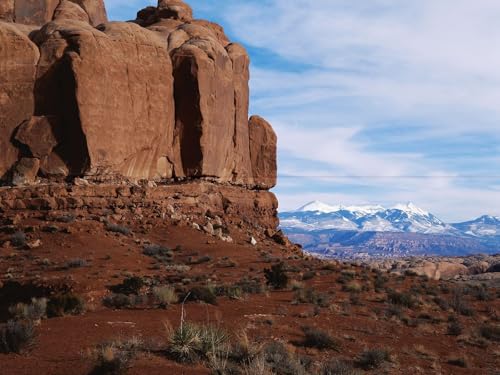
(244, 349)
(401, 299)
(202, 293)
(337, 367)
(490, 332)
(257, 366)
(131, 285)
(118, 301)
(213, 341)
(116, 228)
(251, 286)
(155, 250)
(316, 338)
(231, 291)
(65, 304)
(380, 281)
(68, 218)
(352, 287)
(76, 263)
(308, 275)
(16, 336)
(443, 304)
(459, 304)
(459, 362)
(181, 268)
(281, 361)
(114, 357)
(346, 276)
(18, 239)
(200, 260)
(276, 276)
(480, 293)
(184, 342)
(34, 311)
(373, 359)
(309, 295)
(454, 328)
(165, 295)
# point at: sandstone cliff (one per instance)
(164, 97)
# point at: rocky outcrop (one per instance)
(40, 12)
(18, 62)
(263, 152)
(163, 98)
(119, 108)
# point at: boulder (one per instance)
(176, 9)
(112, 92)
(18, 61)
(31, 12)
(7, 10)
(38, 135)
(263, 143)
(70, 11)
(25, 171)
(95, 10)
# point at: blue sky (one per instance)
(379, 101)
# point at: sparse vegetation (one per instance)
(165, 295)
(18, 239)
(131, 285)
(373, 359)
(34, 311)
(116, 228)
(337, 367)
(202, 293)
(459, 362)
(16, 336)
(490, 332)
(276, 276)
(316, 338)
(114, 357)
(401, 299)
(309, 295)
(65, 304)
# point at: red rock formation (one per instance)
(263, 152)
(169, 101)
(18, 60)
(39, 12)
(122, 112)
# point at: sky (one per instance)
(374, 102)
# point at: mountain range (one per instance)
(376, 231)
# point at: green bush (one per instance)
(276, 276)
(131, 285)
(401, 299)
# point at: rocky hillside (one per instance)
(162, 98)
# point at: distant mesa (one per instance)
(164, 97)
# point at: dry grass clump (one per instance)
(115, 357)
(16, 336)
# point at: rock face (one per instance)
(263, 152)
(164, 97)
(18, 62)
(39, 12)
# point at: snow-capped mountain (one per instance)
(481, 227)
(401, 218)
(404, 229)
